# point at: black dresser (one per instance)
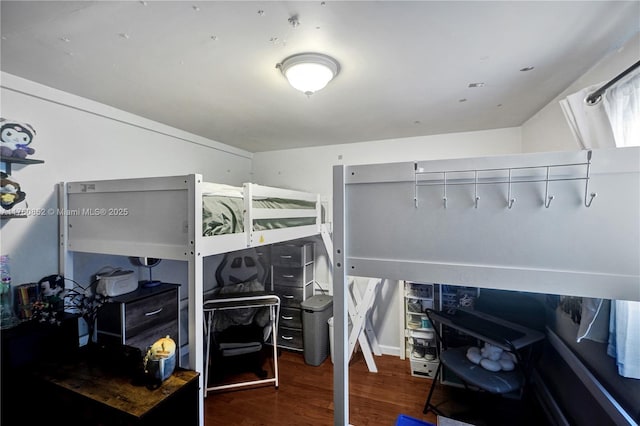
(141, 317)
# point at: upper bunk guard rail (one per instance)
(261, 191)
(252, 191)
(495, 176)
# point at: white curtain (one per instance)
(622, 105)
(624, 337)
(612, 122)
(588, 122)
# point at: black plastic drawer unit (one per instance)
(292, 278)
(292, 254)
(141, 317)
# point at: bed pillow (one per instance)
(222, 190)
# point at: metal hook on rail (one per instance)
(547, 198)
(586, 185)
(415, 184)
(510, 200)
(444, 196)
(476, 187)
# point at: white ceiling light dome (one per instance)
(309, 72)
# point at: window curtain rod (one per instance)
(595, 96)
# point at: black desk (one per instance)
(83, 393)
(496, 331)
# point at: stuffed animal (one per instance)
(10, 193)
(491, 358)
(160, 361)
(15, 138)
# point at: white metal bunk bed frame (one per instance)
(363, 196)
(161, 217)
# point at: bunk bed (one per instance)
(563, 223)
(181, 218)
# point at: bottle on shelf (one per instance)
(8, 317)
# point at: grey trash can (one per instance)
(316, 312)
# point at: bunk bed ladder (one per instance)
(359, 312)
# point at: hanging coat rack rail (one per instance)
(476, 181)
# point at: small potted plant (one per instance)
(83, 301)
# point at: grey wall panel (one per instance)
(566, 248)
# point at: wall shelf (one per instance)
(8, 161)
(12, 216)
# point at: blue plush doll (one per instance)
(15, 138)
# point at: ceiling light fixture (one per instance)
(309, 72)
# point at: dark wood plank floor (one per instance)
(305, 396)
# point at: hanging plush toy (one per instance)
(10, 193)
(15, 138)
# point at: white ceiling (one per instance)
(209, 67)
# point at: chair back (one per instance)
(240, 267)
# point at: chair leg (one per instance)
(427, 405)
(207, 327)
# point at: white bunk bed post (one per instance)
(328, 244)
(195, 281)
(248, 212)
(340, 308)
(65, 257)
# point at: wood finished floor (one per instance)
(305, 397)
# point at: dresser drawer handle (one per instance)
(286, 318)
(287, 276)
(286, 296)
(148, 314)
(285, 256)
(286, 337)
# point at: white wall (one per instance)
(82, 140)
(310, 169)
(547, 130)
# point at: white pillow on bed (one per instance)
(222, 190)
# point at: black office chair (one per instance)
(237, 335)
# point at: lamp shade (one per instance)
(309, 72)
